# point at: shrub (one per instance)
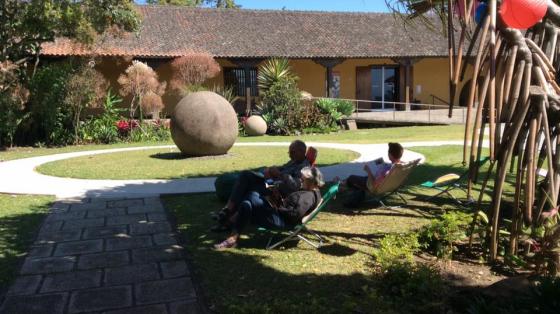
(50, 119)
(334, 109)
(413, 289)
(273, 71)
(141, 81)
(285, 112)
(13, 96)
(193, 69)
(150, 131)
(227, 92)
(103, 129)
(441, 234)
(397, 249)
(85, 89)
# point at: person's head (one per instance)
(297, 151)
(311, 178)
(395, 152)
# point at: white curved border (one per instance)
(19, 176)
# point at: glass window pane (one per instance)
(390, 85)
(376, 86)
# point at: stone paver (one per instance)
(78, 247)
(72, 280)
(131, 274)
(100, 299)
(105, 259)
(35, 304)
(113, 256)
(25, 285)
(164, 290)
(128, 242)
(105, 232)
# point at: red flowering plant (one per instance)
(124, 127)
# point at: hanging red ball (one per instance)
(522, 14)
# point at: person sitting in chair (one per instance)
(361, 184)
(275, 213)
(286, 179)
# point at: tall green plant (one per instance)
(86, 89)
(273, 71)
(10, 119)
(50, 119)
(103, 128)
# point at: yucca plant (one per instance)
(227, 92)
(273, 71)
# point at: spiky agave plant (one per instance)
(273, 71)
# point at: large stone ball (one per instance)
(204, 123)
(255, 126)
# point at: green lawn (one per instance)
(170, 164)
(362, 136)
(333, 279)
(20, 217)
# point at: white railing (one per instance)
(403, 111)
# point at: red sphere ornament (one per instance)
(522, 14)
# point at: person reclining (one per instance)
(286, 179)
(362, 184)
(279, 213)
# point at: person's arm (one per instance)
(290, 207)
(371, 176)
(381, 174)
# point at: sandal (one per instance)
(226, 244)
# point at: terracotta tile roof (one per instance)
(171, 31)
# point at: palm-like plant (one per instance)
(273, 71)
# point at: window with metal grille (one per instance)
(235, 78)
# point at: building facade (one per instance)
(363, 56)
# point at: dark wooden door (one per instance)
(363, 86)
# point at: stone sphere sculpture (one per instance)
(204, 123)
(255, 126)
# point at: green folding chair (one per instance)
(300, 229)
(449, 182)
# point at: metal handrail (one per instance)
(434, 97)
(393, 104)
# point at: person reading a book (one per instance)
(279, 213)
(374, 176)
(286, 180)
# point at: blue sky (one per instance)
(317, 5)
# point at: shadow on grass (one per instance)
(181, 156)
(17, 233)
(336, 278)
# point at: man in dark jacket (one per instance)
(286, 178)
(288, 212)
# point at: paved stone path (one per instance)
(104, 256)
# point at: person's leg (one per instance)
(241, 218)
(357, 182)
(246, 182)
(359, 186)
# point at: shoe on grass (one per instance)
(226, 244)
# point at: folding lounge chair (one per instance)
(301, 228)
(393, 182)
(449, 182)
